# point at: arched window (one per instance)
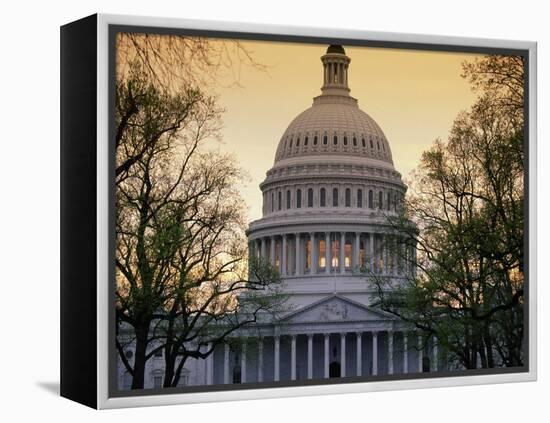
(298, 142)
(310, 197)
(288, 199)
(359, 198)
(298, 198)
(335, 197)
(322, 197)
(388, 203)
(291, 143)
(279, 203)
(348, 197)
(306, 140)
(315, 140)
(335, 140)
(371, 199)
(345, 140)
(380, 199)
(371, 144)
(363, 142)
(325, 140)
(354, 142)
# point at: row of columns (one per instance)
(294, 263)
(359, 357)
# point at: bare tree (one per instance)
(183, 280)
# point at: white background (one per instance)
(29, 200)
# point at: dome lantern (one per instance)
(335, 71)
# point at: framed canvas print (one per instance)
(254, 211)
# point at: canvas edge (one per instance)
(103, 399)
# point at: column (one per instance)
(405, 353)
(343, 354)
(390, 352)
(263, 249)
(359, 354)
(328, 253)
(309, 355)
(356, 251)
(272, 251)
(327, 335)
(261, 360)
(297, 269)
(276, 356)
(342, 252)
(420, 353)
(210, 365)
(226, 364)
(293, 357)
(371, 252)
(434, 353)
(375, 353)
(283, 256)
(313, 264)
(243, 362)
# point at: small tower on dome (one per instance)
(335, 71)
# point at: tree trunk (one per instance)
(140, 360)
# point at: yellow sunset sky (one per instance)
(413, 95)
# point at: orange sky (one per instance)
(413, 95)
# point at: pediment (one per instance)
(334, 309)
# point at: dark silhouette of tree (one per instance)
(183, 279)
(464, 213)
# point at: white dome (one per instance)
(334, 126)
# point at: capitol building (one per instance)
(326, 202)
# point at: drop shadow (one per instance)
(51, 387)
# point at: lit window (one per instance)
(322, 199)
(335, 197)
(322, 254)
